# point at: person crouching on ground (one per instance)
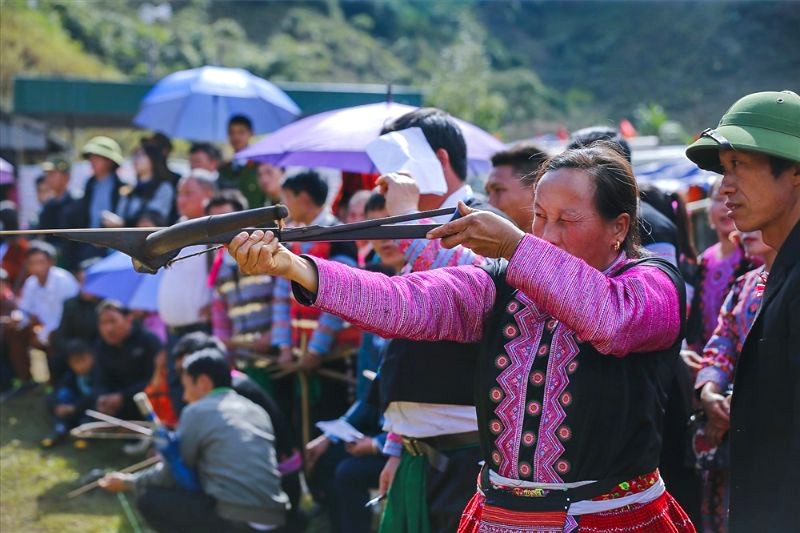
(74, 393)
(229, 442)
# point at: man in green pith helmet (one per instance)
(756, 148)
(99, 200)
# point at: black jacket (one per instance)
(765, 415)
(76, 215)
(126, 369)
(78, 321)
(54, 213)
(82, 402)
(284, 438)
(655, 228)
(449, 366)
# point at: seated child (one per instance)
(73, 394)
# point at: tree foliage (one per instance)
(35, 41)
(505, 65)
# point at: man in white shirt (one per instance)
(41, 302)
(184, 296)
(425, 387)
(447, 142)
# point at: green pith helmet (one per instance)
(767, 123)
(104, 146)
(60, 164)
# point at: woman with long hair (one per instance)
(154, 190)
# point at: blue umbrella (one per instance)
(197, 103)
(114, 277)
(674, 175)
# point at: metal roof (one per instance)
(78, 103)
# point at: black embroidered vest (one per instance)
(585, 415)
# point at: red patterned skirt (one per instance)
(662, 515)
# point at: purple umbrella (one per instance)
(338, 139)
(6, 172)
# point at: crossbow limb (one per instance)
(153, 248)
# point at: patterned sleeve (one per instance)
(424, 254)
(636, 311)
(722, 349)
(393, 445)
(444, 304)
(329, 325)
(281, 334)
(221, 325)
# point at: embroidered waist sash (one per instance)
(555, 501)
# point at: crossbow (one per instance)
(154, 248)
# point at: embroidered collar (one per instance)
(620, 260)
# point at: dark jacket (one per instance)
(284, 437)
(765, 415)
(243, 178)
(68, 391)
(54, 215)
(78, 321)
(128, 368)
(655, 228)
(54, 212)
(76, 215)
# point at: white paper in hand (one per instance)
(339, 429)
(408, 151)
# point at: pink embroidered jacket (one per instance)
(563, 314)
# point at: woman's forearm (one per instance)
(304, 273)
(443, 304)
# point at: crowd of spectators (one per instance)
(202, 354)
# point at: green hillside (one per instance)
(514, 66)
(35, 41)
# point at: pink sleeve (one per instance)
(636, 311)
(444, 304)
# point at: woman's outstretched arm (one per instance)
(444, 304)
(636, 311)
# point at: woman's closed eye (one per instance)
(560, 220)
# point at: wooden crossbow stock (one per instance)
(153, 248)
